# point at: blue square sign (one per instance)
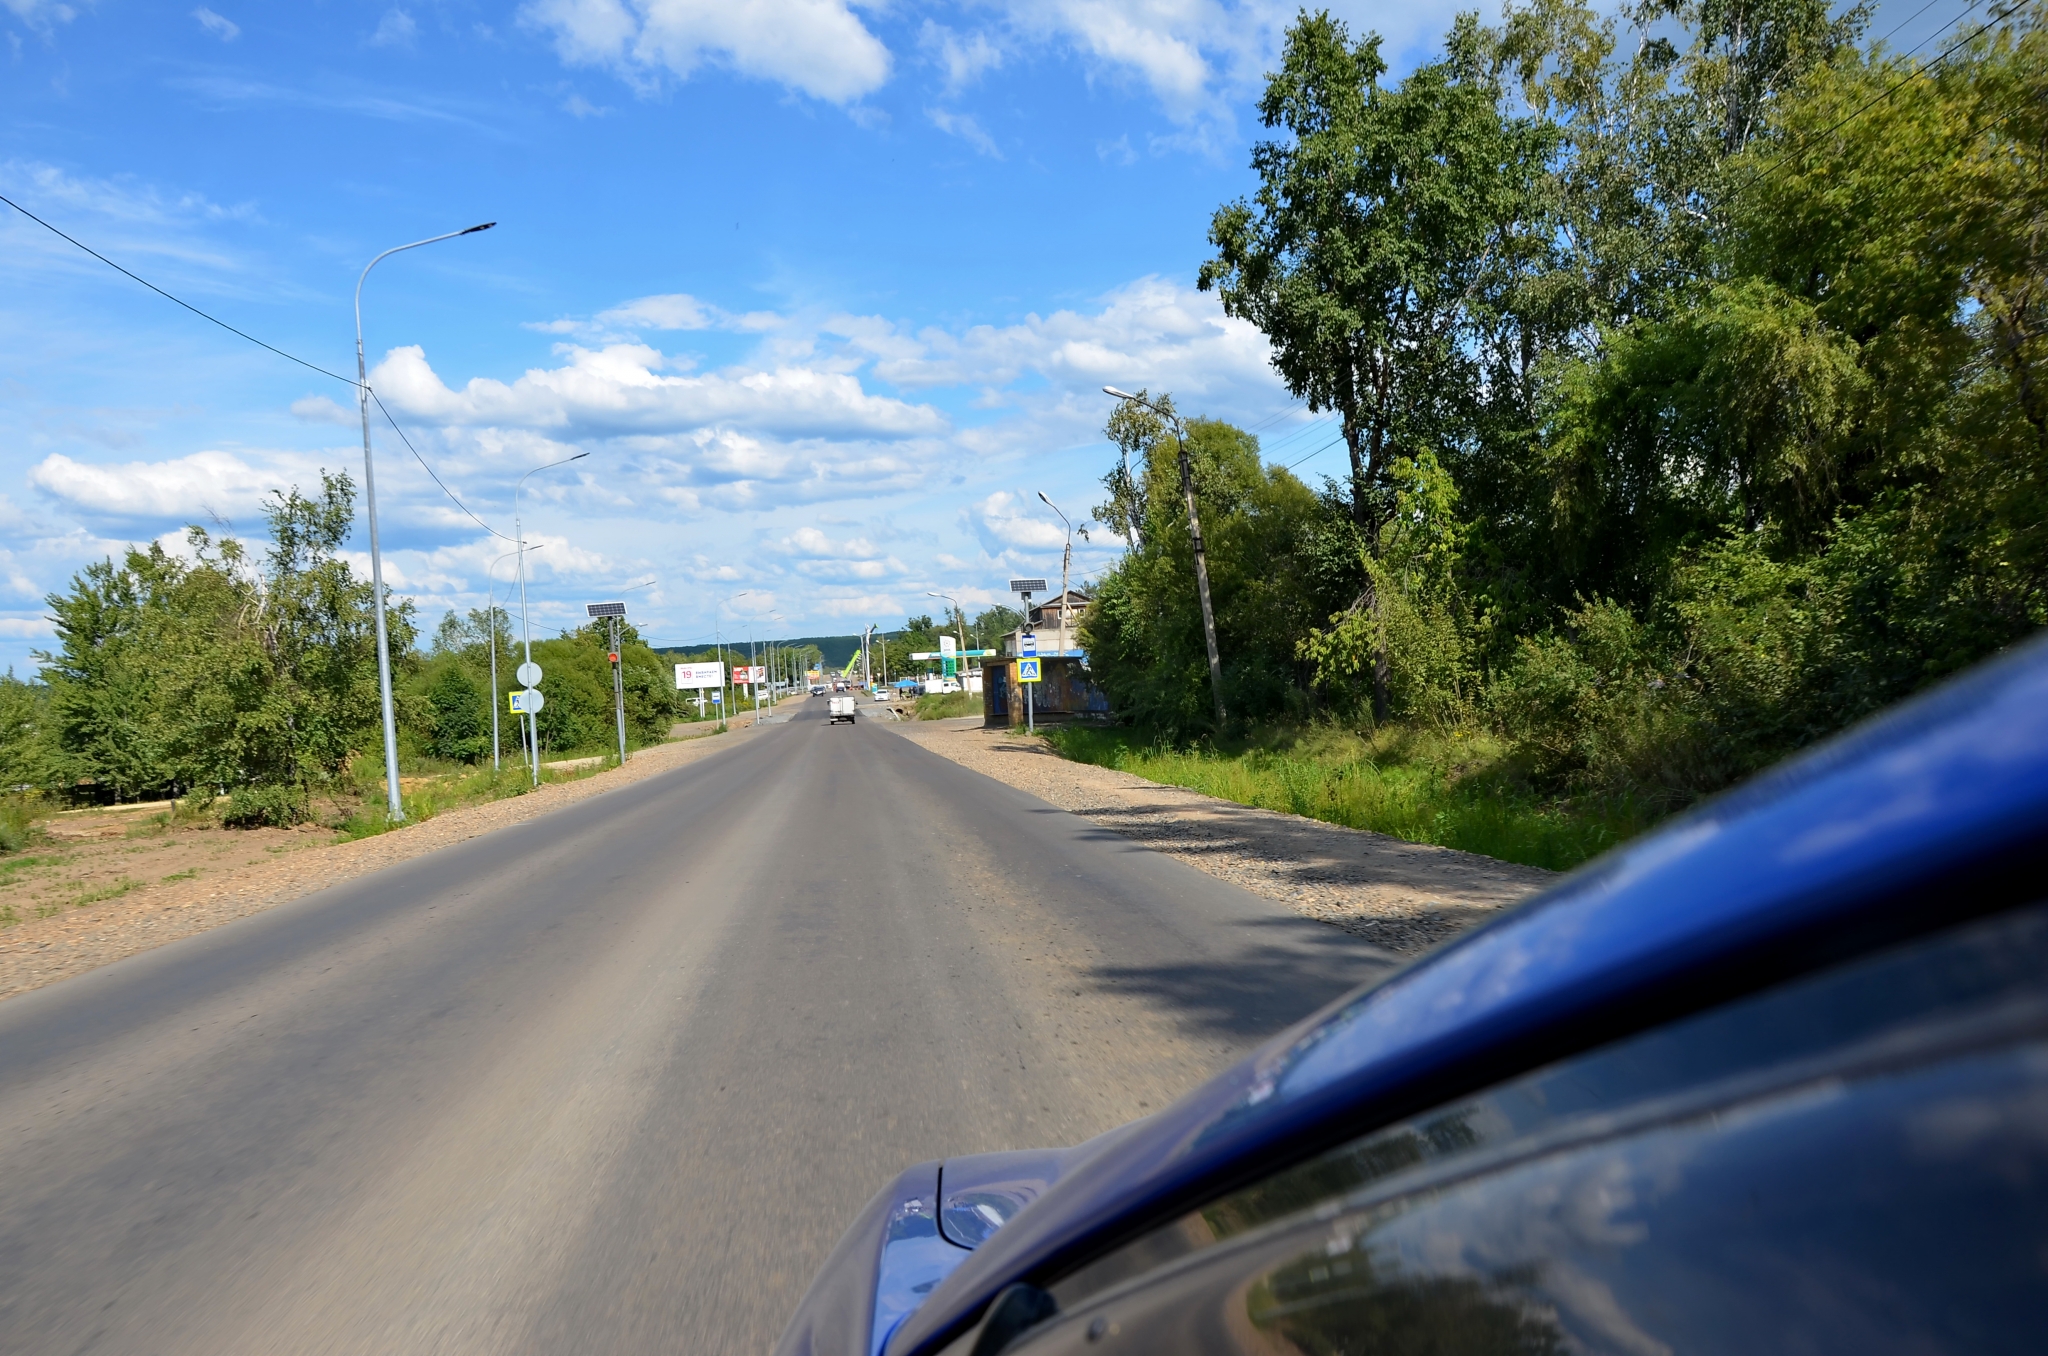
(1027, 671)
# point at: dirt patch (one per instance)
(154, 885)
(1406, 897)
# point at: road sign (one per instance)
(529, 674)
(1027, 586)
(605, 609)
(527, 703)
(699, 676)
(1027, 671)
(1028, 644)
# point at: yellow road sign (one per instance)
(1027, 671)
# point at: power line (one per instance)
(430, 470)
(243, 334)
(240, 334)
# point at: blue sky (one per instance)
(827, 289)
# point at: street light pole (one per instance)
(1066, 561)
(491, 608)
(525, 620)
(393, 806)
(1187, 489)
(960, 625)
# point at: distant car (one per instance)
(841, 708)
(1773, 1078)
(935, 686)
(817, 689)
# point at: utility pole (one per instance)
(1187, 489)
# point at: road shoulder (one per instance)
(41, 951)
(1405, 897)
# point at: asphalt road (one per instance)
(612, 1080)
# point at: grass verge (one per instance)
(947, 705)
(1457, 791)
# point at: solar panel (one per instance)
(1027, 586)
(605, 609)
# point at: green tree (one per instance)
(461, 720)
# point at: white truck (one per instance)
(841, 709)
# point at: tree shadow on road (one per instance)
(1291, 969)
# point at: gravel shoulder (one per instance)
(249, 879)
(1405, 897)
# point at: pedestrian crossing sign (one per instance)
(1027, 671)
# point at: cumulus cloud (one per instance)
(198, 486)
(1149, 332)
(227, 30)
(622, 389)
(817, 47)
(1006, 522)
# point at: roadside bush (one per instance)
(272, 806)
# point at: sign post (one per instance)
(1027, 645)
(615, 615)
(699, 677)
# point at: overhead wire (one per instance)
(290, 357)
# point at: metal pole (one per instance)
(1066, 560)
(619, 686)
(491, 607)
(1187, 489)
(394, 807)
(525, 619)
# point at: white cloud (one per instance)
(1006, 521)
(576, 106)
(122, 198)
(196, 487)
(818, 47)
(40, 16)
(26, 628)
(227, 30)
(318, 409)
(395, 29)
(966, 128)
(1150, 332)
(671, 311)
(963, 62)
(619, 389)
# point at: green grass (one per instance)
(946, 705)
(452, 791)
(105, 892)
(180, 875)
(1457, 790)
(12, 867)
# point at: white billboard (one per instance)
(699, 676)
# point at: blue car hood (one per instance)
(1927, 814)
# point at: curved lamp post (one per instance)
(1187, 489)
(525, 622)
(1066, 564)
(394, 807)
(491, 610)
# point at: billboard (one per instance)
(699, 676)
(743, 673)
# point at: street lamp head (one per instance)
(474, 229)
(1120, 395)
(580, 455)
